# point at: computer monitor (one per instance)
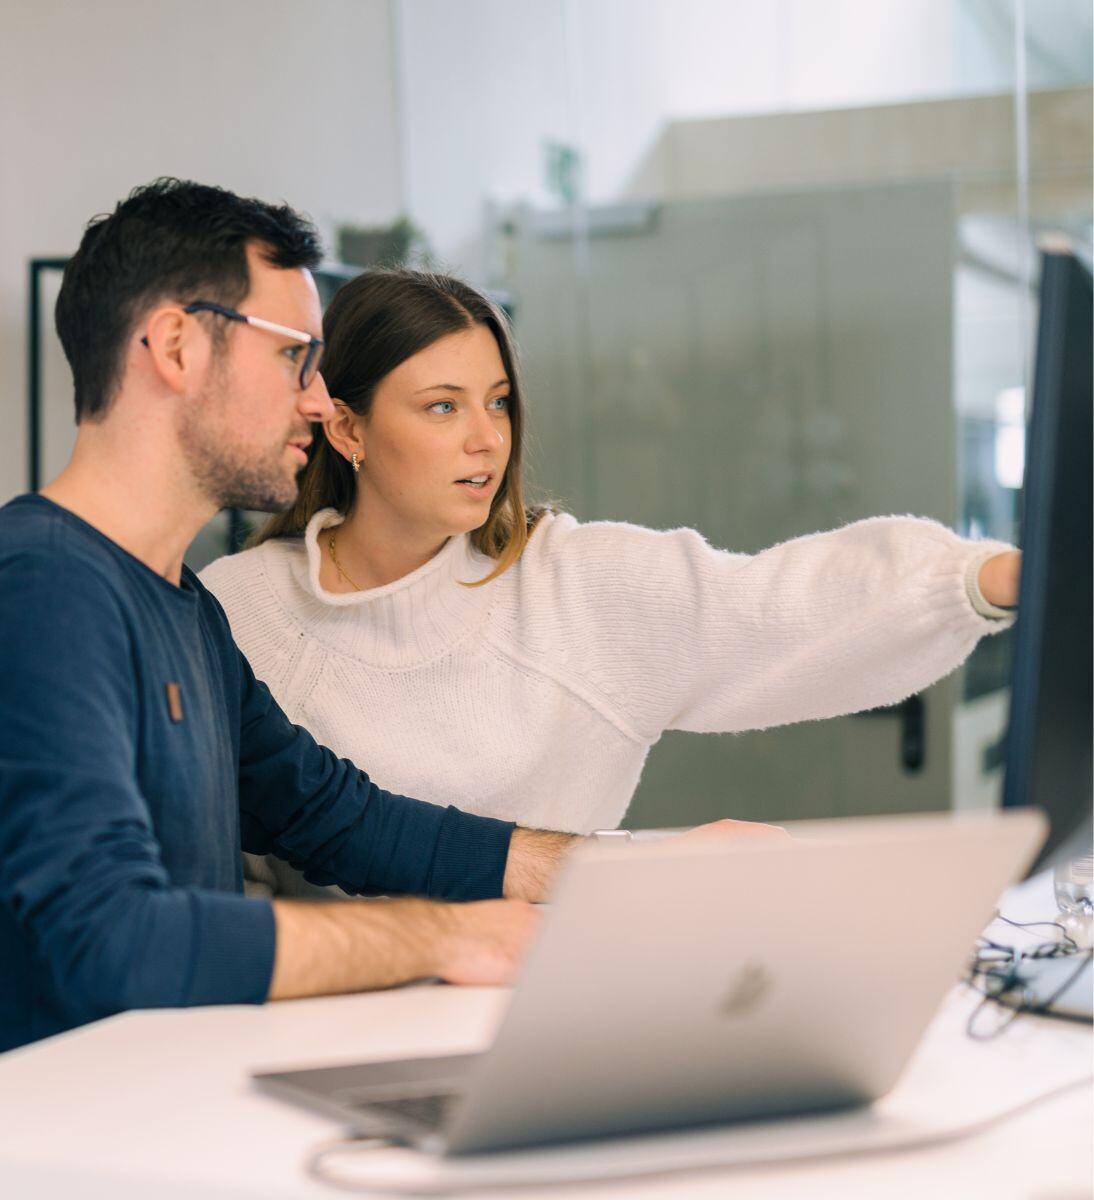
(1048, 749)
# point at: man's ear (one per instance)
(173, 351)
(343, 431)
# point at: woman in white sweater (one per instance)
(419, 619)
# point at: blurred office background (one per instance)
(771, 263)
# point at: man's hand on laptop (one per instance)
(484, 942)
(728, 830)
(535, 855)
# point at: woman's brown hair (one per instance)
(375, 322)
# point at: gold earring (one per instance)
(356, 464)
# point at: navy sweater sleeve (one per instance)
(328, 819)
(137, 750)
(99, 925)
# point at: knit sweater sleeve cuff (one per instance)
(235, 944)
(972, 584)
(470, 857)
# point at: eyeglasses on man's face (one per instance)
(310, 350)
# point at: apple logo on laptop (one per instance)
(749, 986)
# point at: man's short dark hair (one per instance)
(169, 240)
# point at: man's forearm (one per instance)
(535, 856)
(325, 948)
(354, 946)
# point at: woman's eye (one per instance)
(500, 403)
(292, 353)
(443, 407)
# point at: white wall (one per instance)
(266, 97)
(484, 83)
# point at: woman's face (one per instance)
(437, 439)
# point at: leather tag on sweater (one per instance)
(174, 703)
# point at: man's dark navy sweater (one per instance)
(138, 754)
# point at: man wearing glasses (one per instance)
(137, 751)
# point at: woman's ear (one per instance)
(343, 431)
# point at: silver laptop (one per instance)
(674, 985)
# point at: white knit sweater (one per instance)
(536, 697)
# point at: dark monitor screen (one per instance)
(1048, 759)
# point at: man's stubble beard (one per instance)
(229, 475)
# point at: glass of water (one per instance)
(1074, 882)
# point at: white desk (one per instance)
(158, 1104)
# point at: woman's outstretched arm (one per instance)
(665, 632)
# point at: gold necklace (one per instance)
(338, 565)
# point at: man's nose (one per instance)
(315, 402)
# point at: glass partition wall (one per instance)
(772, 269)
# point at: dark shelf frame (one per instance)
(36, 268)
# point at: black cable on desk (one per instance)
(995, 972)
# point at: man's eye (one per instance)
(294, 352)
(443, 407)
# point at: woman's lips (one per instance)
(477, 489)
